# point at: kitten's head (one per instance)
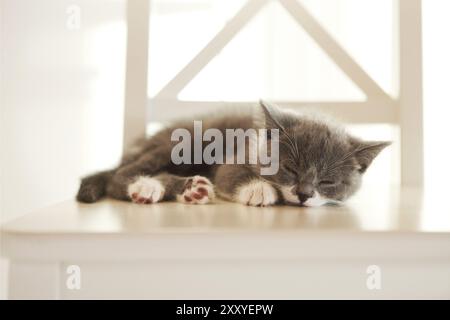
(319, 161)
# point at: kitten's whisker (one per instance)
(291, 143)
(290, 147)
(339, 161)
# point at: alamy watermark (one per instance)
(73, 21)
(73, 281)
(373, 281)
(241, 146)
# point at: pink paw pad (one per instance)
(197, 190)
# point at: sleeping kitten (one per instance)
(318, 163)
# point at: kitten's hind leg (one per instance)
(134, 178)
(197, 190)
(146, 189)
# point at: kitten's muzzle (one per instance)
(304, 191)
(303, 197)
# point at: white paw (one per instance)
(198, 190)
(289, 195)
(146, 190)
(257, 193)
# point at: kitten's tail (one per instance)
(93, 187)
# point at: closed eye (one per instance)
(327, 183)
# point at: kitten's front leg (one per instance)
(240, 184)
(256, 193)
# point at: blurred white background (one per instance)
(62, 88)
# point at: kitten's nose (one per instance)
(304, 196)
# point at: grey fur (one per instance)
(315, 154)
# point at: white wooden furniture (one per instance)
(226, 250)
(404, 109)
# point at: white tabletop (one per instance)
(374, 209)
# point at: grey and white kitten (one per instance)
(319, 163)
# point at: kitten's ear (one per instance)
(366, 151)
(273, 117)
